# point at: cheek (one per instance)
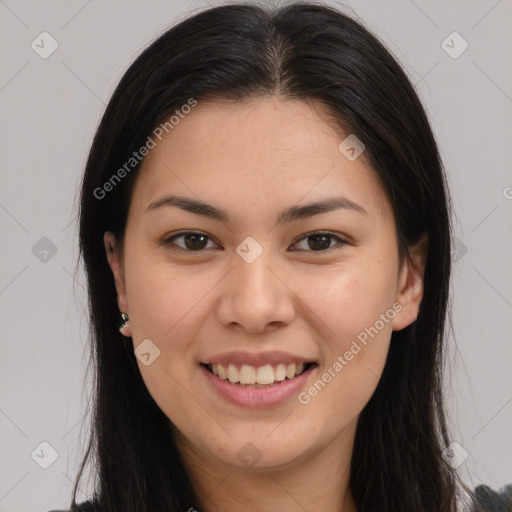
(355, 305)
(351, 298)
(164, 299)
(358, 307)
(165, 305)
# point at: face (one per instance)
(254, 292)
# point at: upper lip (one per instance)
(257, 359)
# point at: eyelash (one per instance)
(169, 241)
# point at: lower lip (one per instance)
(258, 397)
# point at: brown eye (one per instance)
(192, 242)
(196, 242)
(320, 242)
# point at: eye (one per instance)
(321, 241)
(193, 242)
(318, 241)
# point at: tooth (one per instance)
(222, 372)
(265, 375)
(232, 373)
(280, 372)
(247, 374)
(290, 370)
(262, 376)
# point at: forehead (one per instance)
(259, 150)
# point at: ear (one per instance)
(411, 284)
(115, 260)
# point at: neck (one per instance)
(316, 482)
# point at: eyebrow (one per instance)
(289, 215)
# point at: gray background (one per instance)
(49, 111)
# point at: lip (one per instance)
(258, 397)
(259, 359)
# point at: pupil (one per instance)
(324, 244)
(193, 237)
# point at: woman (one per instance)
(264, 210)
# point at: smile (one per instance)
(257, 386)
(257, 376)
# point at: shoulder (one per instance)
(493, 500)
(86, 506)
(485, 499)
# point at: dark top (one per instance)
(488, 500)
(87, 506)
(493, 501)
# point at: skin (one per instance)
(255, 159)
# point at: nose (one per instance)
(255, 296)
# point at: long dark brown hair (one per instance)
(300, 51)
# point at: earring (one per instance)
(123, 328)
